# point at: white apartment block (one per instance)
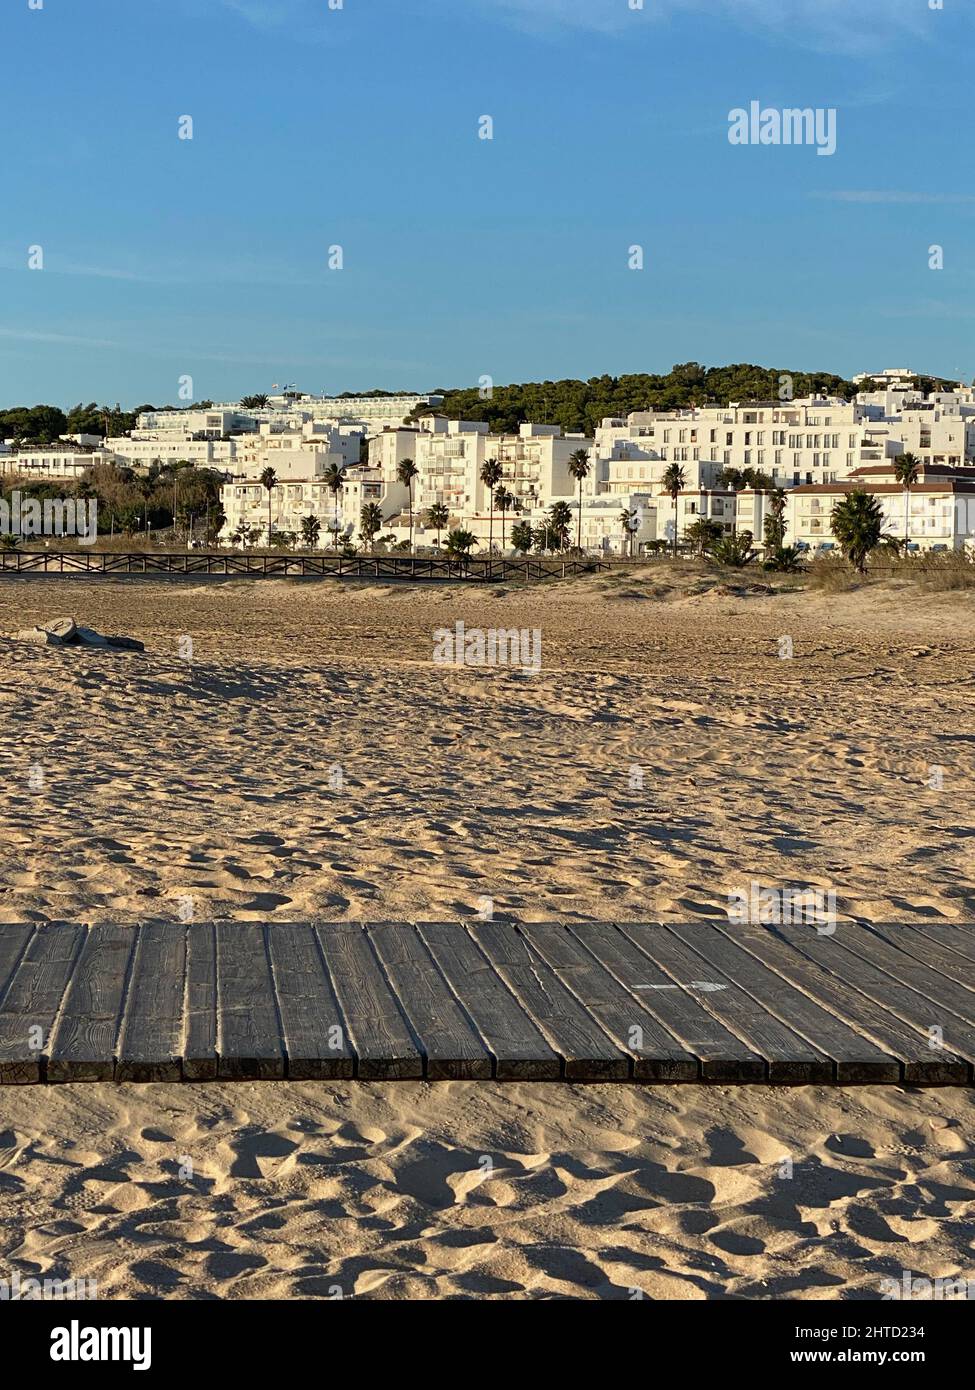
(217, 422)
(375, 412)
(312, 448)
(294, 498)
(450, 454)
(602, 522)
(300, 459)
(818, 439)
(288, 410)
(50, 462)
(937, 514)
(140, 453)
(938, 433)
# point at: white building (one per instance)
(818, 439)
(51, 461)
(140, 453)
(450, 454)
(287, 410)
(938, 513)
(301, 459)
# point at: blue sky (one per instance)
(464, 257)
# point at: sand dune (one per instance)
(312, 761)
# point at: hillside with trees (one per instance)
(578, 406)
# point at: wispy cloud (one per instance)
(25, 335)
(265, 14)
(297, 19)
(871, 195)
(829, 25)
(240, 271)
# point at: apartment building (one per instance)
(450, 454)
(49, 462)
(288, 410)
(312, 447)
(167, 450)
(937, 432)
(301, 459)
(814, 440)
(937, 514)
(216, 422)
(375, 412)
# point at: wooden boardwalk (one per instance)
(483, 569)
(476, 1000)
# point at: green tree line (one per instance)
(579, 406)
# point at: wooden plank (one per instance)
(657, 1056)
(316, 1039)
(960, 939)
(248, 1033)
(518, 1047)
(790, 1059)
(854, 1058)
(200, 1005)
(932, 951)
(83, 1044)
(384, 1044)
(919, 1065)
(32, 1000)
(151, 1036)
(587, 1053)
(14, 937)
(917, 974)
(722, 1055)
(905, 1002)
(452, 1046)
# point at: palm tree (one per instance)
(579, 467)
(333, 478)
(406, 471)
(460, 543)
(674, 483)
(438, 516)
(703, 533)
(559, 523)
(370, 522)
(906, 470)
(311, 529)
(626, 522)
(857, 521)
(504, 501)
(269, 480)
(522, 536)
(775, 524)
(491, 475)
(735, 551)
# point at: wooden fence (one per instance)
(415, 567)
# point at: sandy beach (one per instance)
(311, 761)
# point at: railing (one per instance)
(477, 569)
